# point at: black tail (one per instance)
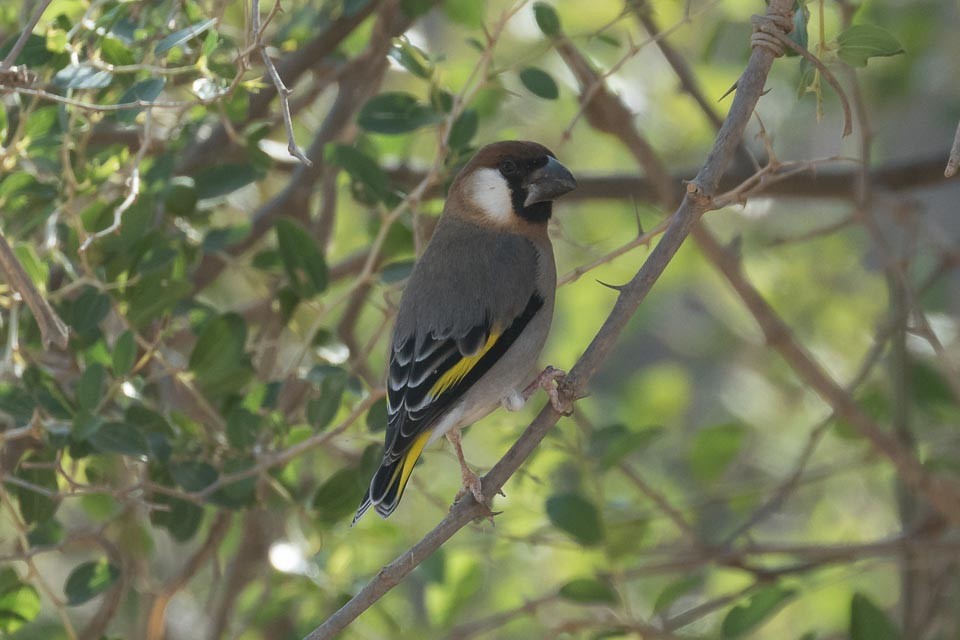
(388, 483)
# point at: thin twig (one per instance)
(53, 331)
(815, 61)
(133, 186)
(24, 35)
(282, 91)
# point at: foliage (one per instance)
(208, 431)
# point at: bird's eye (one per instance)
(508, 168)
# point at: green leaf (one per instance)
(609, 445)
(870, 622)
(322, 410)
(243, 427)
(238, 493)
(149, 299)
(714, 449)
(415, 8)
(35, 506)
(124, 354)
(218, 359)
(547, 19)
(410, 58)
(466, 12)
(674, 591)
(801, 16)
(182, 520)
(193, 475)
(89, 580)
(87, 310)
(183, 35)
(90, 387)
(861, 42)
(115, 51)
(395, 113)
(82, 76)
(37, 269)
(463, 129)
(589, 591)
(363, 170)
(19, 603)
(85, 425)
(338, 496)
(761, 605)
(120, 437)
(143, 91)
(216, 182)
(539, 83)
(576, 516)
(181, 197)
(377, 416)
(210, 43)
(301, 258)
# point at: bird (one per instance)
(475, 313)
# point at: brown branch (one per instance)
(631, 295)
(894, 176)
(156, 622)
(53, 331)
(953, 162)
(24, 36)
(497, 620)
(282, 91)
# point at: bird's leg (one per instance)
(471, 481)
(547, 380)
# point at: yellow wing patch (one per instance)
(457, 372)
(409, 460)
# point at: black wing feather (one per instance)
(410, 411)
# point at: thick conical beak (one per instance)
(549, 182)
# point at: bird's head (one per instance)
(512, 182)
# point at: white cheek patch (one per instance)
(489, 192)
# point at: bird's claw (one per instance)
(473, 486)
(548, 380)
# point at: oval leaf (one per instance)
(193, 475)
(183, 35)
(861, 42)
(869, 622)
(119, 437)
(589, 591)
(576, 516)
(124, 354)
(547, 19)
(218, 359)
(714, 449)
(338, 496)
(395, 113)
(301, 258)
(539, 83)
(89, 580)
(761, 605)
(82, 76)
(19, 603)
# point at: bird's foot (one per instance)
(473, 486)
(548, 380)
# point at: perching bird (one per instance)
(475, 313)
